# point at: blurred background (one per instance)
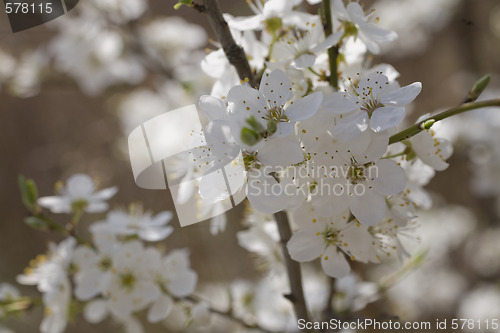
(67, 106)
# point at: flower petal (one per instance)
(213, 107)
(386, 117)
(351, 127)
(155, 234)
(280, 152)
(183, 284)
(305, 245)
(160, 309)
(368, 208)
(334, 262)
(328, 42)
(339, 103)
(276, 87)
(402, 96)
(305, 107)
(95, 311)
(304, 61)
(391, 178)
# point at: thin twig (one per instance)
(234, 53)
(296, 295)
(422, 125)
(333, 52)
(225, 314)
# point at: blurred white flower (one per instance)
(175, 277)
(49, 273)
(136, 222)
(79, 193)
(132, 286)
(361, 25)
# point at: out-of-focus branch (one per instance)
(234, 53)
(333, 52)
(226, 314)
(296, 295)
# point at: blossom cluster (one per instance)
(315, 149)
(116, 274)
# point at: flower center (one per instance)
(356, 172)
(278, 115)
(105, 264)
(330, 236)
(128, 280)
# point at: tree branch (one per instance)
(428, 122)
(234, 53)
(226, 314)
(333, 52)
(296, 295)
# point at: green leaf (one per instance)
(249, 137)
(36, 223)
(29, 193)
(271, 126)
(180, 3)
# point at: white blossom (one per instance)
(79, 192)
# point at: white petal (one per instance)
(330, 41)
(161, 218)
(56, 204)
(369, 208)
(160, 309)
(95, 311)
(359, 242)
(304, 61)
(265, 193)
(339, 10)
(334, 262)
(355, 11)
(247, 102)
(80, 185)
(402, 96)
(105, 194)
(305, 245)
(96, 207)
(183, 284)
(280, 152)
(213, 107)
(155, 234)
(391, 177)
(350, 127)
(247, 23)
(88, 284)
(386, 117)
(339, 103)
(305, 107)
(276, 87)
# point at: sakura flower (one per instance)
(49, 273)
(77, 194)
(372, 103)
(93, 266)
(301, 48)
(271, 15)
(255, 115)
(131, 286)
(328, 239)
(356, 23)
(431, 150)
(175, 277)
(136, 222)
